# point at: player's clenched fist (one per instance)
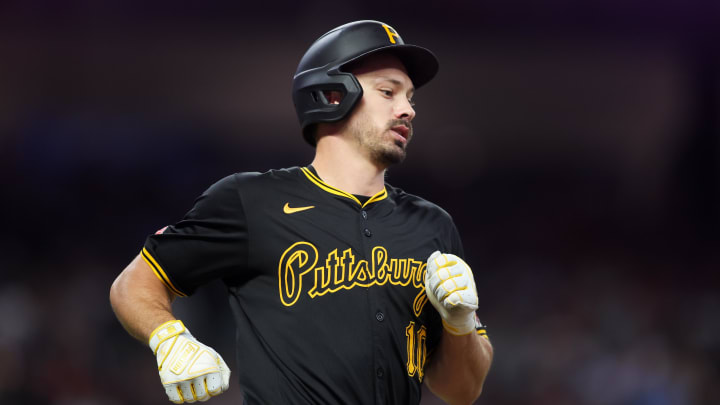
(450, 287)
(189, 370)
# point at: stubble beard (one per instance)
(374, 141)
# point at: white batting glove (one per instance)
(450, 287)
(189, 370)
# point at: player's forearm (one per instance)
(459, 367)
(138, 315)
(140, 301)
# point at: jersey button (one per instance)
(380, 316)
(380, 372)
(364, 214)
(367, 232)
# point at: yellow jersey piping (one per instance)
(332, 190)
(160, 273)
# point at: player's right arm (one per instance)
(209, 243)
(140, 300)
(189, 370)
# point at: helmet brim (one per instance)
(420, 63)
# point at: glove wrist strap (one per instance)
(464, 328)
(164, 332)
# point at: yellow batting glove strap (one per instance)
(164, 332)
(457, 331)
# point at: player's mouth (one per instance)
(402, 132)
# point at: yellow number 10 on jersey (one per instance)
(416, 350)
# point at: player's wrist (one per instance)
(460, 327)
(164, 332)
(466, 327)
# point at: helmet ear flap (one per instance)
(309, 96)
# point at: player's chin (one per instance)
(396, 155)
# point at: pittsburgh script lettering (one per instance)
(298, 272)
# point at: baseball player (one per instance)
(344, 289)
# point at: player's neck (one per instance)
(341, 167)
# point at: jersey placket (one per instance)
(376, 313)
(376, 310)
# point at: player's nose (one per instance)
(404, 110)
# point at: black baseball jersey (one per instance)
(327, 292)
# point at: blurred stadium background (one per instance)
(575, 144)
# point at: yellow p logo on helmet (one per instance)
(391, 33)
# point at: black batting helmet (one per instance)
(321, 69)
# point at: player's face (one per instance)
(381, 122)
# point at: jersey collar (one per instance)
(315, 179)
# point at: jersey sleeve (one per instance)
(210, 242)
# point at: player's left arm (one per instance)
(457, 369)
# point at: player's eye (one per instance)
(386, 92)
(412, 102)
